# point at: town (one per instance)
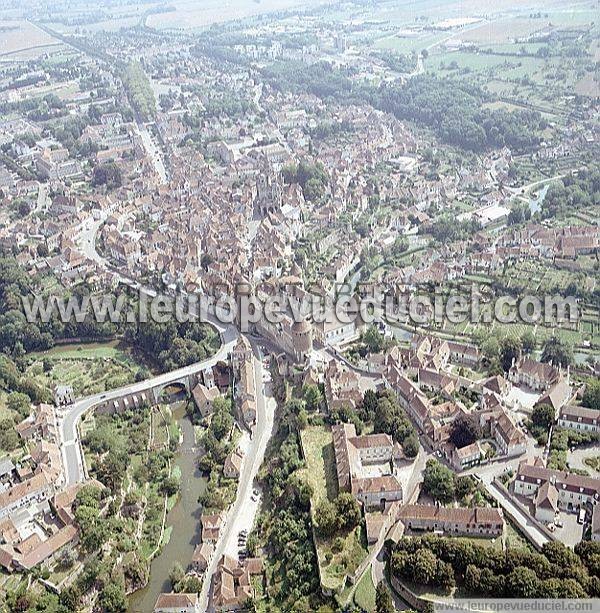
(290, 153)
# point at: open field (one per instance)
(407, 44)
(320, 463)
(341, 553)
(17, 36)
(340, 556)
(504, 30)
(88, 368)
(192, 14)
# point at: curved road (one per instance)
(68, 420)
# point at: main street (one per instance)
(252, 461)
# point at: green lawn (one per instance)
(320, 472)
(364, 596)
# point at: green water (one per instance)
(184, 518)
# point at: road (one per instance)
(68, 420)
(576, 458)
(522, 518)
(251, 464)
(488, 472)
(154, 152)
(86, 241)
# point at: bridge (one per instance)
(151, 389)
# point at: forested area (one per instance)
(286, 527)
(173, 344)
(571, 193)
(170, 345)
(557, 572)
(453, 111)
(312, 178)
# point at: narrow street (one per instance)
(250, 466)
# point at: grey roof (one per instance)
(6, 466)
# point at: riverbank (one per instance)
(182, 523)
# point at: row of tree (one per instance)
(556, 572)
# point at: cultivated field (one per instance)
(19, 36)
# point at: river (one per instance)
(184, 517)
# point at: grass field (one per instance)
(340, 554)
(364, 596)
(407, 44)
(344, 560)
(90, 367)
(320, 463)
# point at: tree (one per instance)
(523, 582)
(112, 598)
(465, 430)
(490, 348)
(383, 599)
(348, 510)
(528, 342)
(19, 403)
(9, 439)
(312, 397)
(591, 395)
(373, 339)
(543, 416)
(438, 481)
(108, 174)
(444, 575)
(176, 574)
(558, 352)
(510, 349)
(410, 446)
(465, 486)
(424, 566)
(326, 517)
(170, 486)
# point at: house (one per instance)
(35, 489)
(211, 525)
(463, 353)
(40, 424)
(574, 491)
(32, 552)
(479, 521)
(579, 418)
(233, 464)
(201, 557)
(538, 376)
(353, 457)
(232, 586)
(63, 395)
(203, 397)
(466, 457)
(511, 441)
(595, 536)
(342, 386)
(557, 395)
(177, 603)
(546, 502)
